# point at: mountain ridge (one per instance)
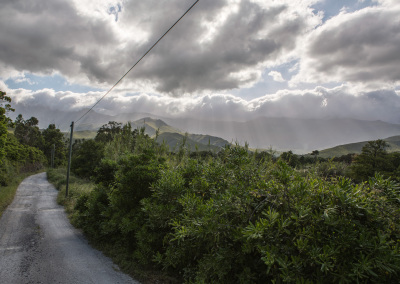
(301, 135)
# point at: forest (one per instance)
(228, 216)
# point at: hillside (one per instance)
(281, 133)
(394, 146)
(167, 134)
(175, 140)
(290, 133)
(152, 125)
(84, 134)
(208, 140)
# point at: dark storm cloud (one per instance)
(49, 36)
(361, 47)
(57, 36)
(182, 64)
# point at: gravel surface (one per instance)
(39, 245)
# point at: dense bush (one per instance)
(86, 156)
(236, 218)
(112, 210)
(16, 157)
(238, 223)
(374, 158)
(19, 158)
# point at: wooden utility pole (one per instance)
(69, 158)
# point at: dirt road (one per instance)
(39, 245)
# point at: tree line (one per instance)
(23, 146)
(374, 158)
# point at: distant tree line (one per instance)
(374, 158)
(23, 147)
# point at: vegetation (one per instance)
(337, 151)
(77, 187)
(374, 158)
(5, 107)
(237, 216)
(25, 148)
(228, 216)
(17, 160)
(53, 137)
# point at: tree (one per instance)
(315, 153)
(5, 107)
(108, 131)
(27, 132)
(86, 157)
(290, 158)
(53, 136)
(371, 160)
(5, 103)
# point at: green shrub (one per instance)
(86, 157)
(233, 222)
(104, 173)
(6, 171)
(236, 218)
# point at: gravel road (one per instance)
(39, 245)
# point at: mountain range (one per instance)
(168, 135)
(280, 133)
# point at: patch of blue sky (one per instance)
(267, 84)
(56, 82)
(332, 8)
(115, 10)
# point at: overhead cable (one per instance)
(138, 61)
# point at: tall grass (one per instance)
(76, 188)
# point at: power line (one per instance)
(138, 61)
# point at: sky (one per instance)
(225, 60)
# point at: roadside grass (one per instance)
(7, 193)
(78, 187)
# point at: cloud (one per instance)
(361, 47)
(342, 102)
(219, 45)
(48, 36)
(322, 102)
(277, 76)
(55, 101)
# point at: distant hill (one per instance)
(394, 146)
(281, 133)
(171, 136)
(174, 141)
(299, 135)
(174, 137)
(152, 125)
(84, 134)
(208, 140)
